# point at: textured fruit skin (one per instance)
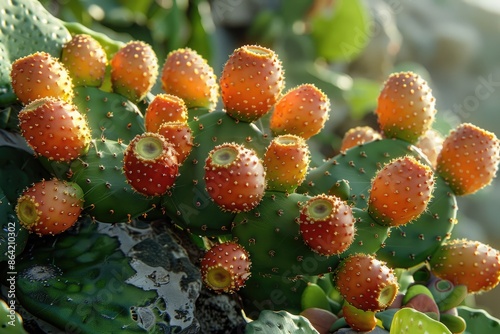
(400, 191)
(188, 75)
(359, 320)
(467, 262)
(357, 136)
(327, 225)
(469, 159)
(366, 283)
(225, 267)
(134, 69)
(302, 111)
(406, 107)
(40, 75)
(286, 161)
(85, 60)
(431, 143)
(251, 82)
(55, 129)
(180, 136)
(165, 108)
(234, 177)
(150, 164)
(50, 207)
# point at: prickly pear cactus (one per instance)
(280, 322)
(478, 321)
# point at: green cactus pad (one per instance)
(408, 320)
(110, 115)
(10, 323)
(108, 197)
(280, 322)
(478, 321)
(189, 204)
(26, 27)
(130, 278)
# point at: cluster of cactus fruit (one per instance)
(282, 233)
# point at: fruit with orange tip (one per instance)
(85, 60)
(55, 129)
(235, 177)
(164, 108)
(357, 136)
(469, 159)
(225, 267)
(406, 107)
(251, 82)
(188, 75)
(286, 161)
(134, 69)
(40, 75)
(357, 319)
(302, 111)
(180, 136)
(472, 263)
(50, 207)
(400, 191)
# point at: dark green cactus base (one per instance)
(478, 321)
(280, 322)
(189, 205)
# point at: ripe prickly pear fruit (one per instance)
(235, 177)
(357, 319)
(188, 75)
(55, 129)
(400, 191)
(467, 262)
(469, 159)
(150, 164)
(165, 108)
(50, 207)
(431, 144)
(357, 136)
(251, 82)
(40, 75)
(302, 111)
(85, 60)
(286, 161)
(327, 225)
(406, 107)
(366, 283)
(225, 267)
(134, 69)
(180, 135)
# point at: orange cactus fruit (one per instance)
(431, 144)
(359, 320)
(469, 159)
(302, 111)
(286, 161)
(85, 60)
(400, 191)
(40, 75)
(406, 107)
(188, 75)
(180, 135)
(357, 136)
(251, 82)
(165, 108)
(134, 69)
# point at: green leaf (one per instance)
(342, 33)
(362, 97)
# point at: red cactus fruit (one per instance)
(357, 136)
(188, 75)
(302, 111)
(406, 107)
(431, 144)
(165, 108)
(286, 161)
(85, 60)
(225, 267)
(366, 283)
(40, 75)
(180, 135)
(400, 191)
(359, 320)
(251, 82)
(55, 129)
(50, 207)
(150, 164)
(327, 225)
(235, 177)
(467, 262)
(469, 159)
(134, 69)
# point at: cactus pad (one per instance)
(280, 322)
